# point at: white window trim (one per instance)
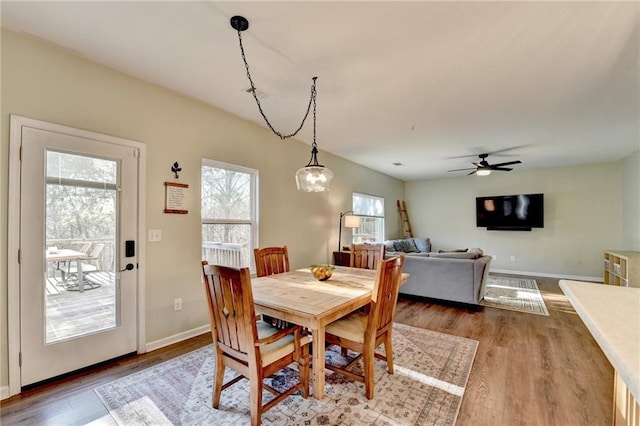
(254, 213)
(371, 196)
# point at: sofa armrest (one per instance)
(481, 272)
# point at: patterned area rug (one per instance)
(514, 294)
(431, 372)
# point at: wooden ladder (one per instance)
(404, 219)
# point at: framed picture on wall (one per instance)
(176, 198)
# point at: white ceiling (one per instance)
(428, 84)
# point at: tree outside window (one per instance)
(229, 212)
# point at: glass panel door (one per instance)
(78, 211)
(80, 242)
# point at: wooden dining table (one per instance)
(299, 298)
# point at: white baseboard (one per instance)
(544, 274)
(170, 340)
(4, 392)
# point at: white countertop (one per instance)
(612, 315)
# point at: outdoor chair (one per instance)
(90, 264)
(254, 349)
(366, 256)
(363, 332)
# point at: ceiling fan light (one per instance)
(483, 172)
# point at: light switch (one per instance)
(154, 235)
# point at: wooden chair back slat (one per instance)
(271, 260)
(385, 295)
(366, 256)
(230, 304)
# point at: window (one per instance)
(229, 214)
(371, 211)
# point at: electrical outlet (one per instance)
(154, 235)
(177, 304)
(513, 258)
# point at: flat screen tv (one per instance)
(519, 212)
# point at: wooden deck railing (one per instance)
(225, 254)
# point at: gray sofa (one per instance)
(457, 276)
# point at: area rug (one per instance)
(514, 294)
(431, 372)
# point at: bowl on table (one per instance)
(321, 272)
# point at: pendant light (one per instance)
(313, 177)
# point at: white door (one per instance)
(78, 229)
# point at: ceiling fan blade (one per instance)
(472, 173)
(508, 163)
(503, 169)
(460, 170)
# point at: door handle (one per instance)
(128, 267)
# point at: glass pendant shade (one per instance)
(314, 179)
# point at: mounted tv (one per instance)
(510, 212)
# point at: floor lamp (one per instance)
(349, 222)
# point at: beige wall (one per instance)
(46, 83)
(583, 217)
(631, 202)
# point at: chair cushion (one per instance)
(278, 349)
(86, 267)
(351, 327)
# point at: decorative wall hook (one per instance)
(175, 169)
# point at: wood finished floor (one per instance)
(529, 369)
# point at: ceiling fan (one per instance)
(483, 168)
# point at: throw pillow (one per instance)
(476, 250)
(389, 246)
(405, 245)
(453, 251)
(422, 244)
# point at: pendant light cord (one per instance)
(255, 96)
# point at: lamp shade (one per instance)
(314, 179)
(352, 221)
(483, 172)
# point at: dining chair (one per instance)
(366, 256)
(269, 261)
(363, 332)
(254, 349)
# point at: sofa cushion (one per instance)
(476, 250)
(416, 254)
(457, 255)
(422, 244)
(405, 245)
(389, 246)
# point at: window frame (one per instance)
(253, 221)
(357, 213)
